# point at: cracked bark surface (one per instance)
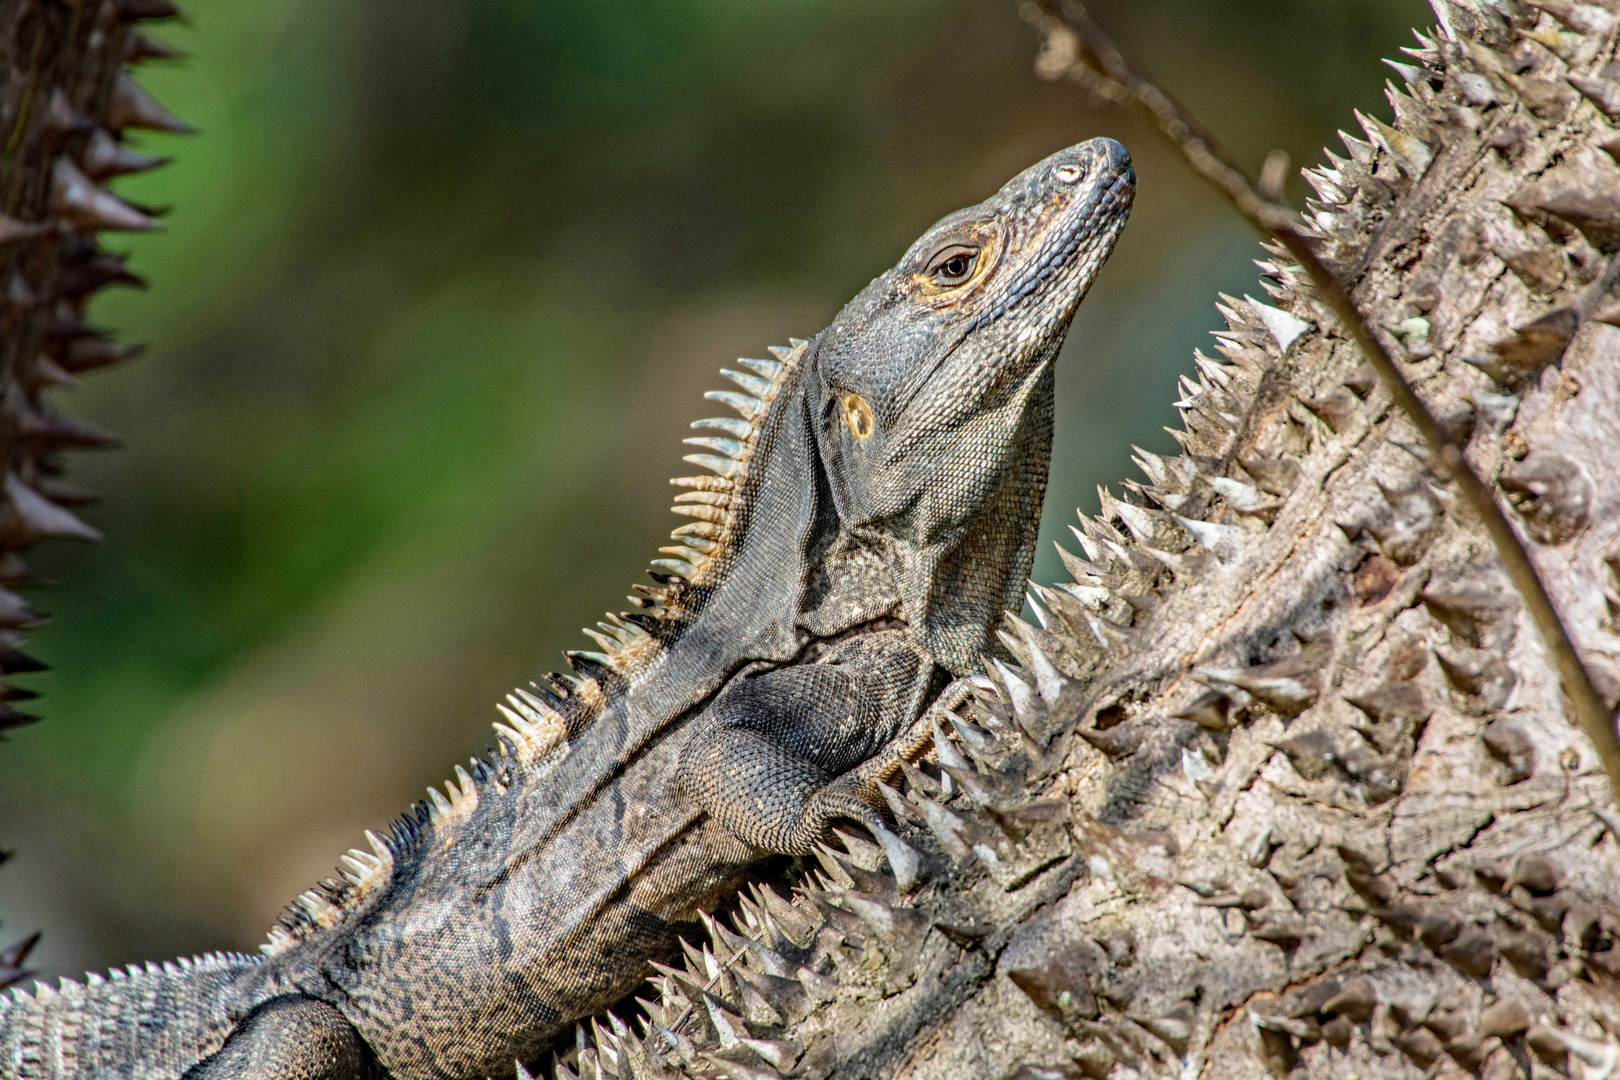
(1282, 781)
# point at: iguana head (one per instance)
(935, 391)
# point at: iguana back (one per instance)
(872, 510)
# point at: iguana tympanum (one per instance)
(872, 513)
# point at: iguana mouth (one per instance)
(1086, 217)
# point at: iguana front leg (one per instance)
(776, 759)
(291, 1038)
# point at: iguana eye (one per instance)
(954, 265)
(858, 415)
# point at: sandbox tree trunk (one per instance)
(66, 104)
(1283, 782)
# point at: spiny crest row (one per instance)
(532, 735)
(72, 989)
(629, 642)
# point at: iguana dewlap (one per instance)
(872, 511)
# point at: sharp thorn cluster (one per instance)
(72, 131)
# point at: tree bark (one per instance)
(1283, 782)
(66, 104)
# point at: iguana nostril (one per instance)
(1068, 173)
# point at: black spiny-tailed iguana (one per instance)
(872, 513)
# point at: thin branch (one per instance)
(1077, 48)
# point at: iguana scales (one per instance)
(872, 512)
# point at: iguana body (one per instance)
(873, 513)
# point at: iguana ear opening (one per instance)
(857, 416)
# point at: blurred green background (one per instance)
(443, 284)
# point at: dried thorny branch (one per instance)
(1077, 48)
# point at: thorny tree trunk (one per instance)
(1285, 783)
(66, 103)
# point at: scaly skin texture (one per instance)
(872, 514)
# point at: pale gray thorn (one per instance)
(1018, 692)
(988, 856)
(770, 961)
(711, 964)
(651, 1013)
(818, 986)
(972, 783)
(946, 826)
(902, 859)
(1107, 632)
(780, 1055)
(1599, 1058)
(904, 811)
(862, 854)
(1244, 498)
(1039, 610)
(1284, 326)
(719, 935)
(1225, 542)
(891, 923)
(1409, 74)
(1175, 561)
(836, 875)
(756, 1006)
(606, 1044)
(781, 352)
(725, 1024)
(1047, 680)
(1095, 597)
(1136, 518)
(1152, 466)
(919, 780)
(946, 751)
(685, 1049)
(971, 733)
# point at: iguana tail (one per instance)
(143, 1023)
